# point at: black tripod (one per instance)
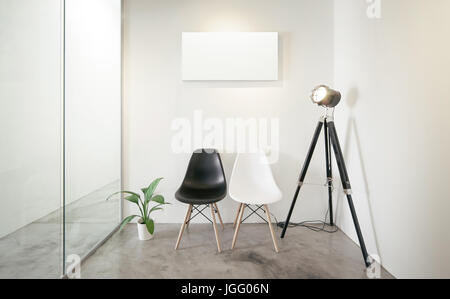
(331, 140)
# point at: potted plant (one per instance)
(145, 224)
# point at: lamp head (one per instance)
(324, 96)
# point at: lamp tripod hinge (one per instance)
(329, 180)
(328, 115)
(348, 192)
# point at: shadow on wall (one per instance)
(352, 97)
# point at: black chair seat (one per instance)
(200, 196)
(205, 181)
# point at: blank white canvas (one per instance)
(230, 56)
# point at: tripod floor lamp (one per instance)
(329, 99)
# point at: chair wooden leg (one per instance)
(183, 226)
(189, 217)
(237, 215)
(236, 232)
(220, 217)
(215, 227)
(271, 228)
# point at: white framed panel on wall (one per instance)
(230, 56)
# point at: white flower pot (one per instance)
(144, 235)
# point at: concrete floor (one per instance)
(303, 254)
(35, 251)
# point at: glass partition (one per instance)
(92, 122)
(30, 138)
(60, 132)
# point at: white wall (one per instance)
(93, 95)
(30, 109)
(155, 94)
(394, 73)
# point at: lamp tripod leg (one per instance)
(303, 173)
(347, 188)
(329, 171)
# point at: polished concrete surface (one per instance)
(303, 254)
(35, 251)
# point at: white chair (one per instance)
(252, 184)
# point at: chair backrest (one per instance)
(205, 170)
(252, 171)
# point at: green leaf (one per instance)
(159, 199)
(123, 192)
(155, 209)
(150, 226)
(148, 192)
(133, 198)
(126, 221)
(151, 189)
(147, 201)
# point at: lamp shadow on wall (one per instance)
(352, 98)
(283, 39)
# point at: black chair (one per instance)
(203, 186)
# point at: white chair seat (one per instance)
(252, 196)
